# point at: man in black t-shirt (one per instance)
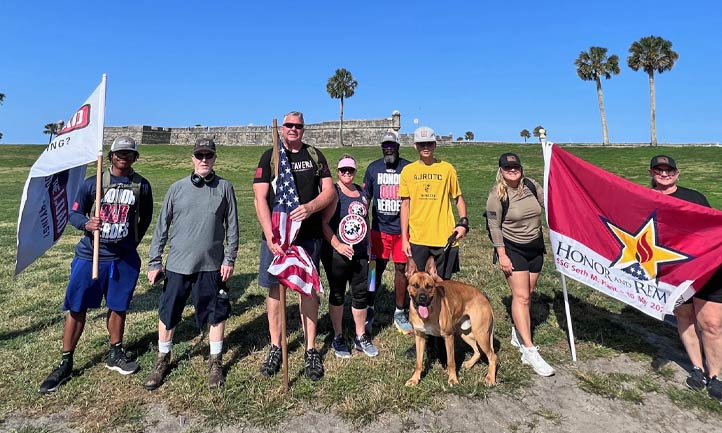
(699, 320)
(315, 191)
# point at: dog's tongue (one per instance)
(423, 312)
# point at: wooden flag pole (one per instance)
(96, 233)
(281, 287)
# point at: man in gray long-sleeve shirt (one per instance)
(202, 210)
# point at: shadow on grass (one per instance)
(628, 331)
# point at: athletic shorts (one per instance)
(340, 271)
(116, 282)
(446, 263)
(312, 247)
(711, 291)
(387, 246)
(210, 298)
(526, 257)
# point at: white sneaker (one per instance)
(530, 356)
(515, 338)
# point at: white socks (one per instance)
(216, 347)
(165, 346)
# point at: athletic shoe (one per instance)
(272, 364)
(402, 322)
(531, 356)
(696, 380)
(340, 348)
(515, 338)
(59, 376)
(118, 361)
(364, 344)
(156, 377)
(215, 372)
(313, 364)
(370, 315)
(715, 388)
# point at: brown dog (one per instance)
(444, 308)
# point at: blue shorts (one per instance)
(312, 247)
(116, 282)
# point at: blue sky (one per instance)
(490, 67)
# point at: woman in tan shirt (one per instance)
(517, 238)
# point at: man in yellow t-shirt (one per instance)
(427, 188)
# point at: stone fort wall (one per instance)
(325, 134)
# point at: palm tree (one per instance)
(652, 53)
(2, 98)
(536, 130)
(468, 135)
(52, 129)
(525, 134)
(341, 85)
(591, 66)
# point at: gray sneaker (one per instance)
(364, 344)
(696, 380)
(401, 321)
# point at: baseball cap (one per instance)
(123, 142)
(424, 134)
(509, 160)
(205, 144)
(662, 160)
(389, 137)
(347, 163)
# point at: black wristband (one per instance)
(463, 222)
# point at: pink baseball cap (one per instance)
(347, 163)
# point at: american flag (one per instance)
(294, 269)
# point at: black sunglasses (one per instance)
(204, 156)
(346, 170)
(292, 125)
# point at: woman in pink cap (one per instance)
(345, 257)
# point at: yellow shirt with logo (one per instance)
(430, 189)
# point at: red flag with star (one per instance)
(647, 249)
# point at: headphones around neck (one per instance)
(199, 181)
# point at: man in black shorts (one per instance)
(202, 210)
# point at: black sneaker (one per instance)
(696, 380)
(272, 364)
(313, 364)
(59, 376)
(715, 388)
(118, 361)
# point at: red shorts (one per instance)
(385, 246)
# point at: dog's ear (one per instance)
(410, 267)
(431, 268)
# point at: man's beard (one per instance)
(392, 159)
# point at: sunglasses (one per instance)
(347, 170)
(293, 125)
(667, 171)
(512, 168)
(204, 156)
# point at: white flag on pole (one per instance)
(55, 178)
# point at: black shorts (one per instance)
(526, 257)
(210, 298)
(446, 263)
(341, 270)
(711, 291)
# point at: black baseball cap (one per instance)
(662, 160)
(509, 160)
(205, 144)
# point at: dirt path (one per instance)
(555, 404)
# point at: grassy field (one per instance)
(359, 389)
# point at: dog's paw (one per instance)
(412, 382)
(490, 381)
(453, 381)
(468, 364)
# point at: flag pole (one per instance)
(281, 287)
(546, 149)
(98, 176)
